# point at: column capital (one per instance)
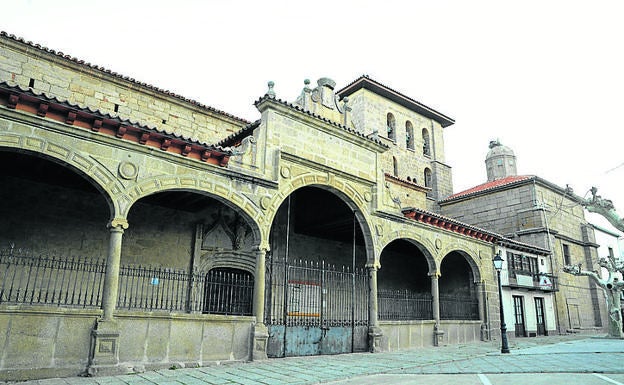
(263, 248)
(375, 265)
(118, 223)
(435, 274)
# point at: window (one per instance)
(426, 143)
(409, 135)
(566, 255)
(525, 263)
(567, 258)
(391, 126)
(427, 177)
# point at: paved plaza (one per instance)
(571, 359)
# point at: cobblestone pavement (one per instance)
(478, 363)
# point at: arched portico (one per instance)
(347, 193)
(459, 286)
(404, 283)
(318, 286)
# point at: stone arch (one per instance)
(241, 260)
(419, 244)
(191, 183)
(80, 163)
(347, 193)
(476, 271)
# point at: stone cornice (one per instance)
(406, 183)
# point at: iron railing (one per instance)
(311, 293)
(542, 281)
(400, 305)
(146, 288)
(229, 292)
(454, 307)
(27, 278)
(220, 291)
(31, 279)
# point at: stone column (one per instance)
(104, 350)
(261, 332)
(438, 334)
(481, 301)
(374, 331)
(111, 279)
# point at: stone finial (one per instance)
(270, 92)
(306, 83)
(326, 82)
(494, 143)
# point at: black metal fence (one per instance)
(311, 293)
(228, 291)
(50, 280)
(401, 305)
(453, 307)
(145, 288)
(26, 278)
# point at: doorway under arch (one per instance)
(404, 285)
(317, 286)
(458, 293)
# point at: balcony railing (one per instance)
(537, 281)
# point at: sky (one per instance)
(546, 78)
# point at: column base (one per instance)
(259, 343)
(485, 333)
(374, 339)
(104, 351)
(438, 336)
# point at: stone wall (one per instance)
(80, 84)
(44, 342)
(370, 116)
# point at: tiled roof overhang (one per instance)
(397, 97)
(498, 184)
(508, 183)
(22, 99)
(450, 224)
(236, 138)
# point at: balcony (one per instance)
(533, 281)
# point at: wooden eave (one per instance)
(17, 98)
(450, 224)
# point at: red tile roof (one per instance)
(495, 184)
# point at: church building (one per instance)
(145, 230)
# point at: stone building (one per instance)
(532, 210)
(144, 230)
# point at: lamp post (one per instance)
(498, 265)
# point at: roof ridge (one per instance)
(489, 186)
(319, 117)
(367, 77)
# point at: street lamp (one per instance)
(498, 265)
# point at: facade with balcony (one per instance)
(528, 287)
